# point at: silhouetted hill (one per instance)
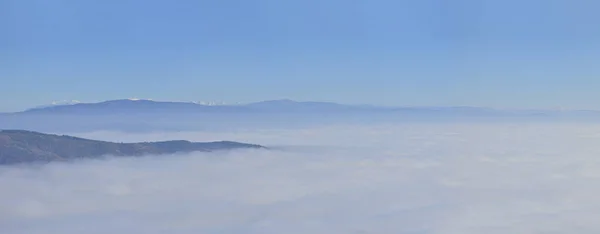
(20, 146)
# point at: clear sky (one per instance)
(509, 53)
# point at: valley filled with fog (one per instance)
(338, 178)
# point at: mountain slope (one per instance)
(290, 105)
(19, 146)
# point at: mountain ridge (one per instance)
(283, 104)
(141, 105)
(140, 115)
(24, 146)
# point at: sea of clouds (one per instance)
(394, 178)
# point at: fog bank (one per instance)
(393, 178)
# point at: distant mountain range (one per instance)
(134, 115)
(128, 106)
(19, 146)
(284, 105)
(149, 106)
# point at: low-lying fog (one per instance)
(413, 178)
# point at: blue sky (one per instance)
(511, 53)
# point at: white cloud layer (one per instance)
(417, 178)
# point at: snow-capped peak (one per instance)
(58, 103)
(211, 103)
(132, 99)
(65, 102)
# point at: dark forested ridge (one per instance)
(20, 146)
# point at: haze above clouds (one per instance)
(395, 178)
